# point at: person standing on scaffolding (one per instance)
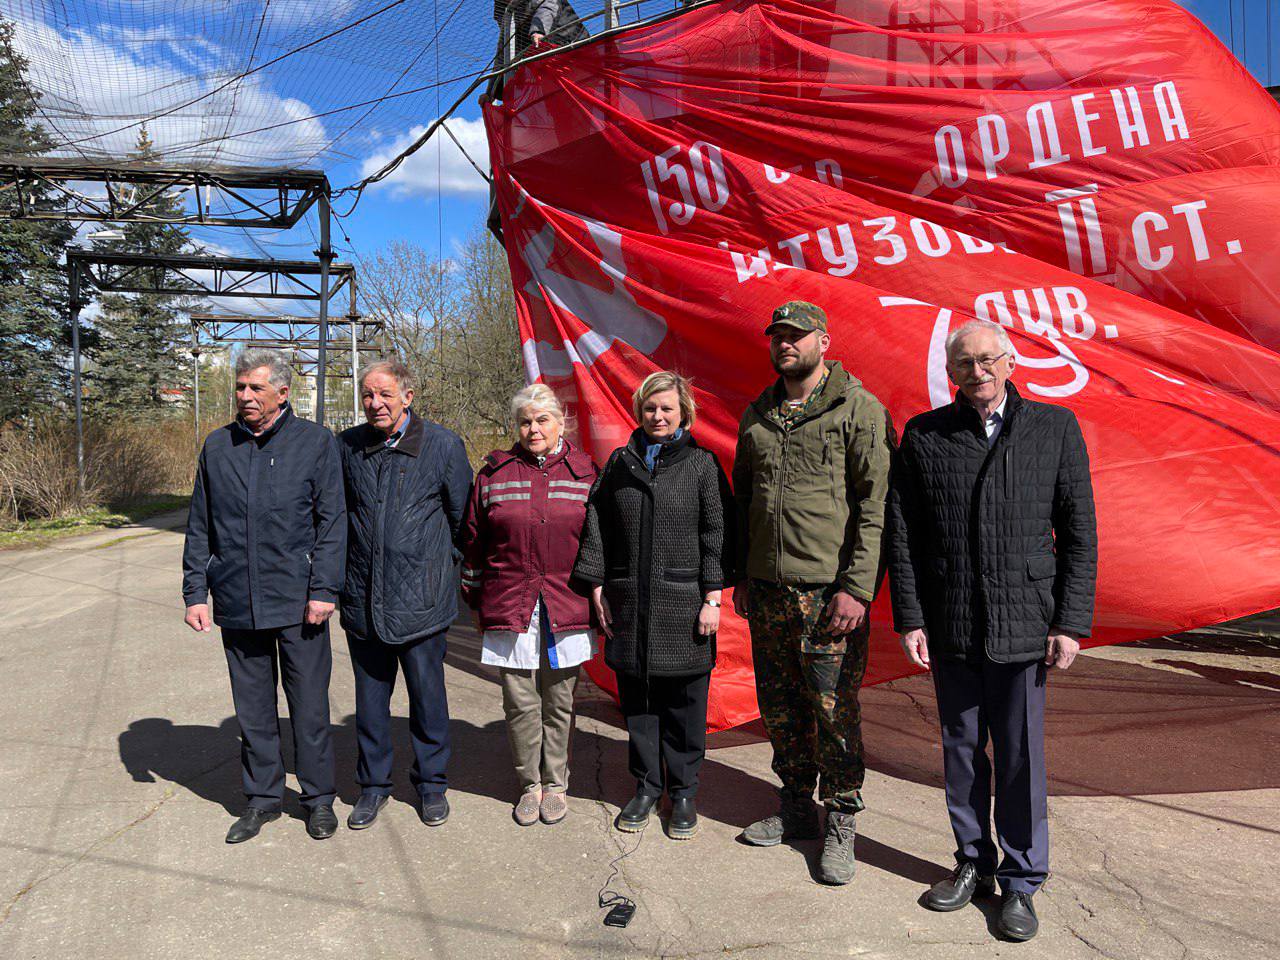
(531, 22)
(523, 24)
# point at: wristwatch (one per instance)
(711, 603)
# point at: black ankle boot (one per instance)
(635, 815)
(684, 819)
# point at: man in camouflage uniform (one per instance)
(811, 477)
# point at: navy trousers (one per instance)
(299, 655)
(375, 665)
(1004, 703)
(666, 731)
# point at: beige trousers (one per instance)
(539, 709)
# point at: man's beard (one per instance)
(804, 366)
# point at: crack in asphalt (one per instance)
(92, 848)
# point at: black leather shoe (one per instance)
(433, 809)
(958, 889)
(322, 823)
(247, 827)
(635, 815)
(366, 810)
(684, 819)
(1018, 917)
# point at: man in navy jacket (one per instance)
(407, 481)
(266, 536)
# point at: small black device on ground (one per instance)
(620, 915)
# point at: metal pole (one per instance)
(195, 356)
(610, 14)
(74, 284)
(326, 258)
(355, 351)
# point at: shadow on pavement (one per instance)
(1113, 729)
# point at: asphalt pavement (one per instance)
(122, 760)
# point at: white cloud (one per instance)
(96, 79)
(439, 166)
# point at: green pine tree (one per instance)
(33, 286)
(139, 346)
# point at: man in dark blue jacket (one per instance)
(407, 482)
(266, 536)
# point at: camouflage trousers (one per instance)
(807, 685)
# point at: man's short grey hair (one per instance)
(540, 398)
(973, 326)
(280, 372)
(397, 370)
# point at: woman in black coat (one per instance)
(656, 532)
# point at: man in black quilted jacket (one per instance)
(993, 559)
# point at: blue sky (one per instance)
(1250, 28)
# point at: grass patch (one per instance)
(33, 533)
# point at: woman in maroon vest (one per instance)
(520, 537)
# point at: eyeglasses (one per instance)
(986, 363)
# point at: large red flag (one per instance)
(1100, 176)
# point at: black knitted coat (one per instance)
(657, 543)
(991, 549)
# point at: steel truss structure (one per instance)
(302, 333)
(346, 340)
(214, 276)
(201, 276)
(121, 193)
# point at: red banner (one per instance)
(1099, 176)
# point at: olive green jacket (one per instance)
(811, 494)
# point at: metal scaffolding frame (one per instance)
(209, 276)
(120, 193)
(214, 276)
(351, 335)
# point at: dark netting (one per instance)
(276, 83)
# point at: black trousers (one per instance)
(667, 730)
(979, 700)
(299, 655)
(375, 664)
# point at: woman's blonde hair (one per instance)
(541, 398)
(667, 380)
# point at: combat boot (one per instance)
(797, 819)
(837, 863)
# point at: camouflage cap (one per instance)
(799, 314)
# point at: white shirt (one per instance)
(523, 651)
(995, 422)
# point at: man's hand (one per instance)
(536, 38)
(915, 644)
(844, 613)
(601, 607)
(1063, 648)
(318, 612)
(198, 618)
(742, 600)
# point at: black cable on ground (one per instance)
(611, 898)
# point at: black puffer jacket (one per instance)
(657, 544)
(993, 548)
(404, 506)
